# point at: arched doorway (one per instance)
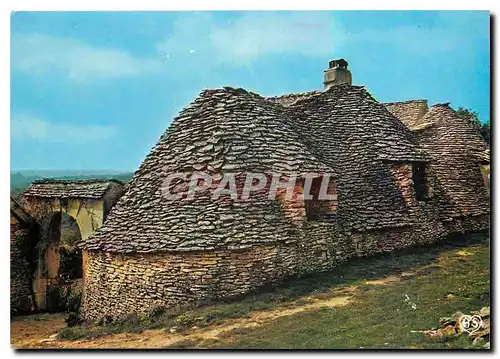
(59, 261)
(86, 201)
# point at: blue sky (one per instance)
(95, 90)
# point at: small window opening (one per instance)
(318, 208)
(420, 182)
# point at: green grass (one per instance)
(377, 317)
(39, 317)
(179, 318)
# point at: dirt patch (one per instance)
(383, 281)
(28, 336)
(424, 270)
(464, 253)
(29, 331)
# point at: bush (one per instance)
(74, 300)
(105, 320)
(131, 323)
(185, 320)
(55, 299)
(73, 319)
(156, 313)
(82, 332)
(64, 299)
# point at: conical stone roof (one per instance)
(456, 150)
(343, 132)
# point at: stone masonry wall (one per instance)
(162, 251)
(117, 284)
(20, 294)
(120, 284)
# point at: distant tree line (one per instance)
(483, 128)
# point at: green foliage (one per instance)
(82, 332)
(42, 317)
(70, 263)
(483, 128)
(156, 313)
(19, 243)
(70, 232)
(55, 299)
(64, 299)
(74, 300)
(180, 318)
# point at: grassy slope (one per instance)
(454, 279)
(438, 280)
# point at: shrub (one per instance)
(82, 332)
(73, 319)
(74, 299)
(156, 313)
(185, 320)
(131, 323)
(55, 299)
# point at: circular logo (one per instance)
(471, 324)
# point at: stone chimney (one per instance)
(337, 73)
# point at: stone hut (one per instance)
(43, 263)
(392, 185)
(458, 156)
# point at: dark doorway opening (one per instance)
(319, 208)
(419, 177)
(62, 260)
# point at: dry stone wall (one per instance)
(20, 282)
(153, 251)
(119, 284)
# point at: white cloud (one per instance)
(27, 127)
(253, 35)
(258, 34)
(248, 37)
(41, 54)
(452, 31)
(237, 41)
(414, 40)
(206, 41)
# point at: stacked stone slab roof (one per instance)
(485, 156)
(359, 138)
(410, 112)
(417, 116)
(290, 99)
(342, 131)
(50, 188)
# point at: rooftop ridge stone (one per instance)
(82, 188)
(406, 102)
